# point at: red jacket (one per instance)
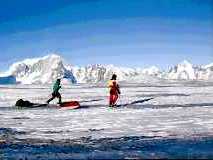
(114, 87)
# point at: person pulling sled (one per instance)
(55, 93)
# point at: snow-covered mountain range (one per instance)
(46, 69)
(40, 70)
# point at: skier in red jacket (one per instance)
(114, 91)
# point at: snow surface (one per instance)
(178, 110)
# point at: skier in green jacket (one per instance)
(55, 92)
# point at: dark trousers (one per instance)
(55, 95)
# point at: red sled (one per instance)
(70, 105)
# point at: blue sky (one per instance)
(134, 33)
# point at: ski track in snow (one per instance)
(178, 111)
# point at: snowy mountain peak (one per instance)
(31, 61)
(153, 71)
(182, 71)
(154, 68)
(40, 70)
(208, 66)
(52, 58)
(185, 64)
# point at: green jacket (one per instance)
(56, 87)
